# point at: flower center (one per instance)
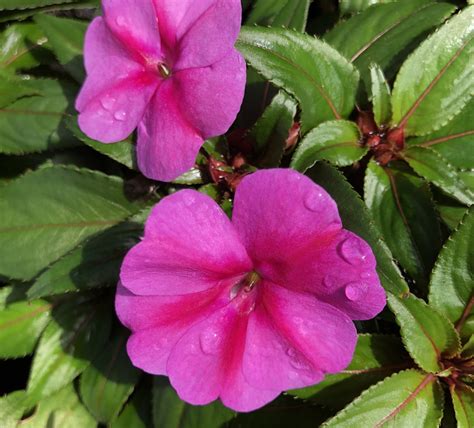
(244, 293)
(163, 70)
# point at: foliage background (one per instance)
(377, 109)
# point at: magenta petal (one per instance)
(158, 323)
(167, 143)
(190, 245)
(206, 364)
(135, 24)
(211, 97)
(203, 31)
(270, 360)
(278, 212)
(318, 332)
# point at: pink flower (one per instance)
(167, 67)
(241, 310)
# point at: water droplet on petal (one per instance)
(355, 291)
(210, 342)
(297, 361)
(120, 115)
(108, 102)
(313, 201)
(189, 200)
(353, 251)
(366, 275)
(121, 21)
(329, 282)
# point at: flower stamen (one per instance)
(164, 71)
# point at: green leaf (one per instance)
(46, 213)
(122, 151)
(12, 407)
(398, 200)
(322, 81)
(191, 177)
(66, 37)
(356, 217)
(425, 100)
(21, 46)
(352, 6)
(452, 281)
(336, 141)
(468, 348)
(13, 88)
(137, 413)
(435, 168)
(380, 96)
(271, 130)
(428, 335)
(21, 324)
(76, 334)
(463, 402)
(108, 382)
(455, 141)
(91, 265)
(384, 34)
(60, 410)
(29, 4)
(376, 356)
(170, 412)
(450, 210)
(398, 401)
(287, 13)
(36, 123)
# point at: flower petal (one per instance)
(278, 212)
(113, 79)
(211, 97)
(203, 31)
(136, 25)
(206, 363)
(158, 323)
(167, 143)
(270, 361)
(189, 246)
(318, 332)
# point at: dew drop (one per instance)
(296, 361)
(120, 115)
(108, 102)
(313, 201)
(209, 342)
(329, 282)
(121, 21)
(355, 291)
(189, 200)
(352, 251)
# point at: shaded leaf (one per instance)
(108, 382)
(170, 412)
(452, 281)
(427, 334)
(29, 4)
(322, 81)
(66, 38)
(13, 88)
(351, 6)
(425, 101)
(376, 356)
(270, 132)
(336, 141)
(380, 96)
(398, 401)
(137, 413)
(384, 34)
(36, 123)
(463, 401)
(287, 13)
(398, 200)
(46, 213)
(435, 168)
(67, 347)
(356, 217)
(21, 324)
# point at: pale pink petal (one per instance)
(211, 97)
(270, 360)
(167, 143)
(190, 245)
(341, 273)
(279, 212)
(106, 61)
(318, 333)
(158, 322)
(200, 31)
(206, 363)
(135, 24)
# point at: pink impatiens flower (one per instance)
(243, 309)
(169, 68)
